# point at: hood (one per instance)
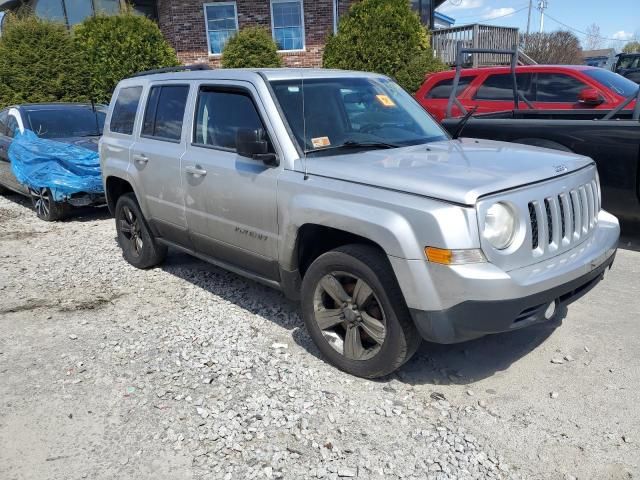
(90, 143)
(455, 171)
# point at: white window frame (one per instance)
(206, 22)
(273, 30)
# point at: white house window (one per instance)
(288, 24)
(222, 24)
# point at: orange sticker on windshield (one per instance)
(385, 101)
(320, 142)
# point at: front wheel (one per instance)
(46, 207)
(355, 312)
(139, 247)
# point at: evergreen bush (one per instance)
(383, 36)
(115, 47)
(39, 63)
(251, 47)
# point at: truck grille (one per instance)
(560, 221)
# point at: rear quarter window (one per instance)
(123, 116)
(12, 126)
(442, 89)
(3, 122)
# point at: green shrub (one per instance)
(383, 36)
(411, 76)
(251, 47)
(115, 47)
(631, 47)
(38, 63)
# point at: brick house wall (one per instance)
(183, 23)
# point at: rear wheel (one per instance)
(139, 247)
(46, 207)
(355, 312)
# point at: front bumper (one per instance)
(475, 300)
(85, 199)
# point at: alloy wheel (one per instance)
(349, 315)
(41, 201)
(130, 229)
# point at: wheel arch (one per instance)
(313, 240)
(115, 187)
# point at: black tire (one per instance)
(139, 247)
(349, 262)
(46, 207)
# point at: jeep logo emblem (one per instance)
(560, 168)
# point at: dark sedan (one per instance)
(48, 152)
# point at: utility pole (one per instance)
(528, 23)
(542, 5)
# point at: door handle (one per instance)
(141, 158)
(110, 148)
(195, 171)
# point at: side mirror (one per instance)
(591, 97)
(254, 144)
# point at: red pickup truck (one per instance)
(546, 87)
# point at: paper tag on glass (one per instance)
(320, 142)
(385, 101)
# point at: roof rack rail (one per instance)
(182, 68)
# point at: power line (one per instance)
(549, 16)
(585, 33)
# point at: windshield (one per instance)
(631, 61)
(350, 113)
(619, 84)
(61, 122)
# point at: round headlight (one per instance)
(500, 225)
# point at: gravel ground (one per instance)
(188, 371)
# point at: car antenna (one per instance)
(95, 115)
(304, 131)
(463, 123)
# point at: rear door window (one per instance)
(500, 87)
(165, 112)
(442, 89)
(123, 117)
(558, 88)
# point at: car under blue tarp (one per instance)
(64, 167)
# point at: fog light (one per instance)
(550, 311)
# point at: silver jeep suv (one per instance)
(339, 189)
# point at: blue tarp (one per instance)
(62, 167)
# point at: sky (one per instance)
(619, 20)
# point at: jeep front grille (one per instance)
(562, 220)
(533, 218)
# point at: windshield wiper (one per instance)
(463, 123)
(353, 144)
